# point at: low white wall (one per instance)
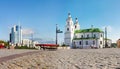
(63, 48)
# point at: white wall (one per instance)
(90, 41)
(78, 35)
(69, 34)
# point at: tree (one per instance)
(114, 45)
(5, 42)
(63, 45)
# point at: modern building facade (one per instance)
(16, 35)
(29, 43)
(82, 38)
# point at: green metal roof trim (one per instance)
(84, 38)
(88, 30)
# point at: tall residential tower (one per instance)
(16, 35)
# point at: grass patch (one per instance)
(24, 47)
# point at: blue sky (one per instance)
(41, 16)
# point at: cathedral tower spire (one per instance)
(69, 31)
(69, 15)
(76, 25)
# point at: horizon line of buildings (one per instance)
(16, 38)
(73, 36)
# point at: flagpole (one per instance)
(56, 32)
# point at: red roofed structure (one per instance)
(48, 46)
(2, 45)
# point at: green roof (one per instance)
(88, 30)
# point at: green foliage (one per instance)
(24, 47)
(63, 45)
(88, 30)
(6, 43)
(114, 45)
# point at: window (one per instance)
(67, 29)
(81, 36)
(68, 23)
(100, 42)
(101, 35)
(75, 27)
(86, 42)
(80, 42)
(88, 36)
(17, 28)
(94, 35)
(73, 43)
(93, 42)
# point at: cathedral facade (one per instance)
(82, 38)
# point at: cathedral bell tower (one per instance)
(76, 25)
(69, 31)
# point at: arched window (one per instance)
(67, 29)
(68, 23)
(86, 42)
(81, 36)
(75, 26)
(100, 42)
(88, 36)
(80, 42)
(101, 35)
(74, 43)
(94, 36)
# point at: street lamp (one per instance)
(31, 44)
(106, 45)
(57, 31)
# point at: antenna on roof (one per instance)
(69, 15)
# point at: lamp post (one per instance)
(56, 34)
(57, 31)
(31, 39)
(106, 45)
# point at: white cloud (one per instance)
(27, 31)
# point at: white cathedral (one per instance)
(82, 38)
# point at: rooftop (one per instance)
(88, 30)
(84, 38)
